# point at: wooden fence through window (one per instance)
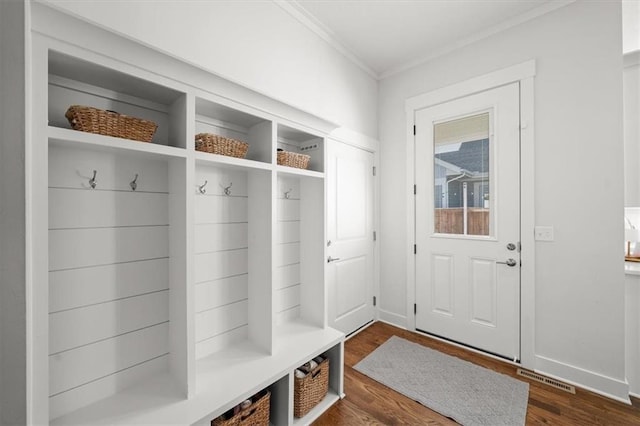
(451, 221)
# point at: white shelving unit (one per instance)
(172, 284)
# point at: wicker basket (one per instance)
(215, 144)
(292, 159)
(309, 390)
(256, 415)
(110, 123)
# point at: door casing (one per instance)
(523, 73)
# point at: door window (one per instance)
(462, 181)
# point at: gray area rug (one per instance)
(467, 393)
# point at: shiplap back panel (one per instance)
(221, 259)
(72, 169)
(108, 275)
(75, 398)
(287, 275)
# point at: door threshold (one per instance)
(490, 354)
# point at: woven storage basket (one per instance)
(292, 159)
(110, 123)
(309, 390)
(256, 415)
(215, 144)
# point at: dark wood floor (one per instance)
(368, 402)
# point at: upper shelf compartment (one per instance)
(222, 120)
(73, 81)
(301, 142)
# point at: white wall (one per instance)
(579, 284)
(12, 215)
(256, 44)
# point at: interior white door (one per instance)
(350, 244)
(468, 220)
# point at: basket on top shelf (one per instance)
(310, 389)
(255, 414)
(216, 144)
(293, 159)
(110, 123)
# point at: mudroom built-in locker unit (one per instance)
(170, 284)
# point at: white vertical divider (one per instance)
(181, 316)
(281, 409)
(182, 122)
(312, 251)
(259, 138)
(261, 187)
(336, 370)
(37, 258)
(189, 303)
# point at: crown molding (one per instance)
(296, 10)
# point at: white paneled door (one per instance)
(468, 220)
(350, 236)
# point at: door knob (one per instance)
(509, 262)
(332, 259)
(511, 246)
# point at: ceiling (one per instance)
(386, 36)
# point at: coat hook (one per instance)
(227, 190)
(286, 193)
(134, 183)
(201, 187)
(93, 182)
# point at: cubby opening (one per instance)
(222, 120)
(334, 354)
(233, 211)
(73, 81)
(299, 250)
(114, 275)
(300, 142)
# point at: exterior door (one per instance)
(468, 221)
(350, 260)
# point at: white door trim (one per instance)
(523, 73)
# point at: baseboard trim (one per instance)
(585, 379)
(393, 319)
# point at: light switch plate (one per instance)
(543, 233)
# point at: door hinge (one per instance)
(375, 237)
(415, 249)
(374, 301)
(414, 129)
(415, 189)
(415, 308)
(374, 170)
